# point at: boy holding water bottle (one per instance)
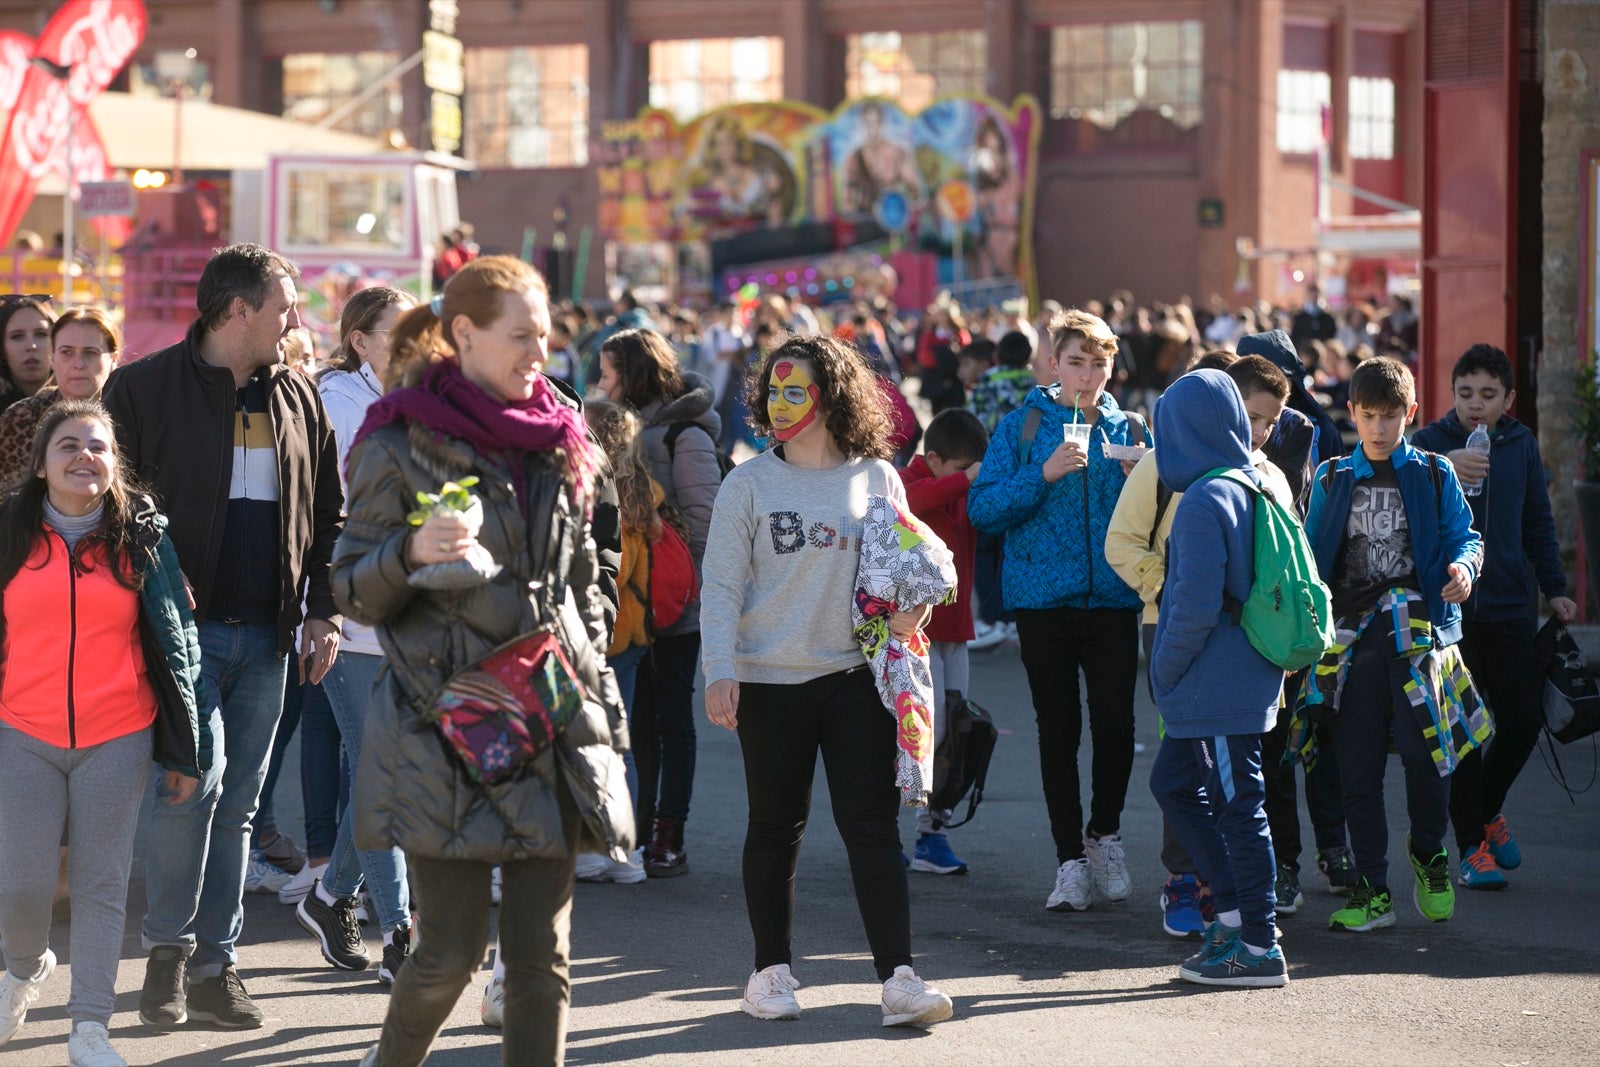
(1511, 510)
(1050, 480)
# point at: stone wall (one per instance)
(1571, 126)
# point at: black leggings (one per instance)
(781, 727)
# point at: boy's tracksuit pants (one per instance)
(1212, 793)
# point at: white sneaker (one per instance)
(1108, 863)
(591, 867)
(297, 887)
(909, 1001)
(493, 1009)
(597, 867)
(769, 994)
(18, 994)
(1011, 633)
(90, 1046)
(986, 635)
(1072, 887)
(262, 877)
(494, 888)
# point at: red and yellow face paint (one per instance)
(791, 399)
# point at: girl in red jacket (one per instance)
(936, 490)
(99, 666)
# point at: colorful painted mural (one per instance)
(954, 181)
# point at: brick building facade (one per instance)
(1152, 107)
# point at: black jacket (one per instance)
(174, 424)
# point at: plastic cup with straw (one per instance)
(1077, 430)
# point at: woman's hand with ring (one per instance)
(443, 538)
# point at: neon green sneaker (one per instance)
(1367, 909)
(1435, 897)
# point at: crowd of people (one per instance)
(479, 556)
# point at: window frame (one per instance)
(501, 131)
(972, 79)
(660, 91)
(1065, 81)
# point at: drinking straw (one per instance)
(1077, 402)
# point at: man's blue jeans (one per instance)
(349, 688)
(195, 860)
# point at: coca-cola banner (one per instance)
(93, 40)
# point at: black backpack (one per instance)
(724, 461)
(961, 762)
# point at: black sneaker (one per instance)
(161, 1002)
(222, 1001)
(336, 929)
(1338, 866)
(395, 954)
(1286, 887)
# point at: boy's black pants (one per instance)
(1104, 644)
(781, 729)
(1501, 658)
(1372, 705)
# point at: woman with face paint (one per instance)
(783, 669)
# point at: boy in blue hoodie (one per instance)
(1052, 501)
(1393, 539)
(1217, 695)
(1512, 513)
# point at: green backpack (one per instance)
(1288, 615)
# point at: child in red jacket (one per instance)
(936, 489)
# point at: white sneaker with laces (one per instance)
(769, 994)
(493, 1009)
(262, 877)
(909, 1001)
(1108, 863)
(295, 890)
(18, 994)
(90, 1046)
(591, 867)
(1072, 887)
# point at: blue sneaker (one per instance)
(1236, 967)
(1507, 856)
(1479, 871)
(1180, 906)
(1216, 940)
(934, 856)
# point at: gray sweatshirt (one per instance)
(779, 574)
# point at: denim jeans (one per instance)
(349, 688)
(625, 665)
(324, 773)
(196, 856)
(266, 820)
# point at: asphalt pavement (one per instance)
(659, 967)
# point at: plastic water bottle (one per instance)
(1477, 442)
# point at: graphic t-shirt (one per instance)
(245, 588)
(779, 574)
(1377, 553)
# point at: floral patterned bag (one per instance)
(502, 711)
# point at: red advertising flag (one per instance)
(91, 41)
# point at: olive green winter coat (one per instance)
(410, 790)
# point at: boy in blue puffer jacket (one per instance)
(1512, 513)
(1394, 541)
(1217, 695)
(1052, 502)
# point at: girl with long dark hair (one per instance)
(101, 669)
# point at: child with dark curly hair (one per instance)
(783, 668)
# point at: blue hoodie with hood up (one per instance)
(1208, 680)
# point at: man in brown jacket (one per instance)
(242, 458)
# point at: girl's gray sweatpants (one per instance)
(94, 794)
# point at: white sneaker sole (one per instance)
(1273, 981)
(768, 1014)
(1066, 905)
(929, 867)
(1376, 924)
(936, 1012)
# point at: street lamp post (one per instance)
(173, 68)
